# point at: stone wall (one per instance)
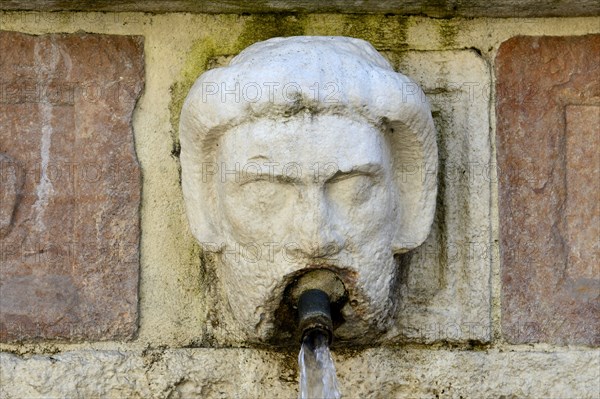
(103, 290)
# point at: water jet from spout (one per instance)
(317, 370)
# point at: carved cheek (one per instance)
(11, 183)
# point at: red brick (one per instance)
(70, 251)
(548, 136)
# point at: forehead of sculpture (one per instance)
(306, 141)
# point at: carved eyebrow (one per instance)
(370, 169)
(259, 158)
(251, 176)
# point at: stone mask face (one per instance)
(303, 193)
(306, 153)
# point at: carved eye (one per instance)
(264, 196)
(351, 190)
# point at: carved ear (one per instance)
(11, 184)
(197, 175)
(415, 161)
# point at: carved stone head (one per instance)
(307, 153)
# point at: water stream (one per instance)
(317, 370)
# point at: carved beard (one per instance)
(249, 309)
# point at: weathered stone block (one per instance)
(377, 373)
(69, 221)
(548, 110)
(445, 283)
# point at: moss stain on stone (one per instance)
(194, 275)
(448, 30)
(265, 26)
(256, 28)
(195, 63)
(384, 32)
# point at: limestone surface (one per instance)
(445, 283)
(173, 286)
(249, 373)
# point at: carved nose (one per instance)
(317, 230)
(319, 245)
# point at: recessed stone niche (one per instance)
(70, 186)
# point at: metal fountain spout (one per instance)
(314, 316)
(318, 296)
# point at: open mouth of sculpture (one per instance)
(312, 301)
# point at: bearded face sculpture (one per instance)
(304, 154)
